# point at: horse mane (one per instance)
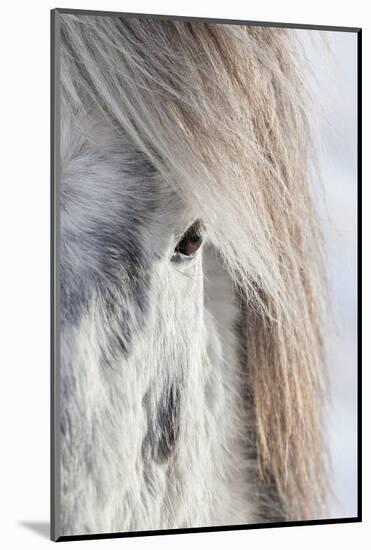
(220, 111)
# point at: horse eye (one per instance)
(190, 242)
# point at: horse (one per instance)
(192, 296)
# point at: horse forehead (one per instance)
(117, 216)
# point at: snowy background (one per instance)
(336, 98)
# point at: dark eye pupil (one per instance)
(191, 240)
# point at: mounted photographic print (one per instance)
(204, 274)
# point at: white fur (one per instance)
(172, 416)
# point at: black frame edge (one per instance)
(359, 272)
(52, 271)
(54, 294)
(196, 530)
(72, 11)
(54, 130)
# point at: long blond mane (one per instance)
(221, 112)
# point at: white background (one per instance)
(24, 303)
(335, 96)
